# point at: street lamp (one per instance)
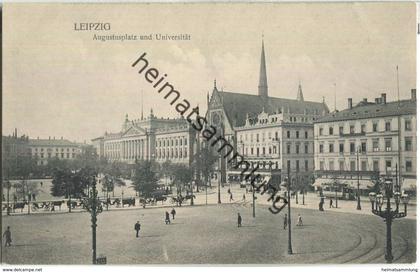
(289, 251)
(359, 207)
(94, 207)
(388, 214)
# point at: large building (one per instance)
(149, 138)
(365, 143)
(46, 149)
(268, 131)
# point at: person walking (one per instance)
(173, 212)
(239, 220)
(299, 222)
(137, 228)
(243, 198)
(331, 203)
(285, 221)
(231, 197)
(167, 219)
(8, 237)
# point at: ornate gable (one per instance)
(132, 130)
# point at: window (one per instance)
(297, 134)
(341, 165)
(363, 147)
(274, 149)
(331, 148)
(306, 149)
(388, 165)
(306, 165)
(288, 134)
(363, 128)
(297, 166)
(341, 147)
(407, 125)
(321, 165)
(276, 135)
(331, 130)
(388, 145)
(408, 166)
(341, 130)
(288, 164)
(408, 144)
(263, 150)
(252, 151)
(258, 137)
(321, 131)
(321, 148)
(331, 165)
(387, 126)
(364, 166)
(252, 138)
(297, 149)
(375, 165)
(288, 149)
(375, 145)
(352, 166)
(351, 129)
(352, 147)
(306, 135)
(375, 127)
(258, 151)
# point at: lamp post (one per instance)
(289, 223)
(8, 186)
(388, 214)
(94, 207)
(359, 207)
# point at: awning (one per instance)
(322, 181)
(409, 184)
(363, 184)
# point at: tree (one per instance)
(145, 178)
(204, 162)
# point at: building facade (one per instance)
(46, 149)
(270, 132)
(149, 138)
(366, 143)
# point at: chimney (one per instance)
(350, 103)
(413, 94)
(383, 95)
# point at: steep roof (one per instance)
(237, 105)
(372, 110)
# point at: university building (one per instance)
(273, 133)
(46, 149)
(365, 143)
(149, 138)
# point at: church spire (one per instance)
(262, 86)
(300, 93)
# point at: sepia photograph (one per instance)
(209, 133)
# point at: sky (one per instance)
(60, 82)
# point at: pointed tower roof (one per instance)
(300, 93)
(262, 85)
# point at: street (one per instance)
(206, 235)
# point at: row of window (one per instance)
(270, 150)
(171, 142)
(57, 149)
(408, 146)
(297, 166)
(172, 153)
(374, 128)
(296, 134)
(364, 166)
(57, 155)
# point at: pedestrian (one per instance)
(243, 198)
(229, 191)
(231, 197)
(137, 228)
(167, 219)
(34, 196)
(173, 212)
(299, 222)
(8, 236)
(239, 220)
(331, 203)
(285, 221)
